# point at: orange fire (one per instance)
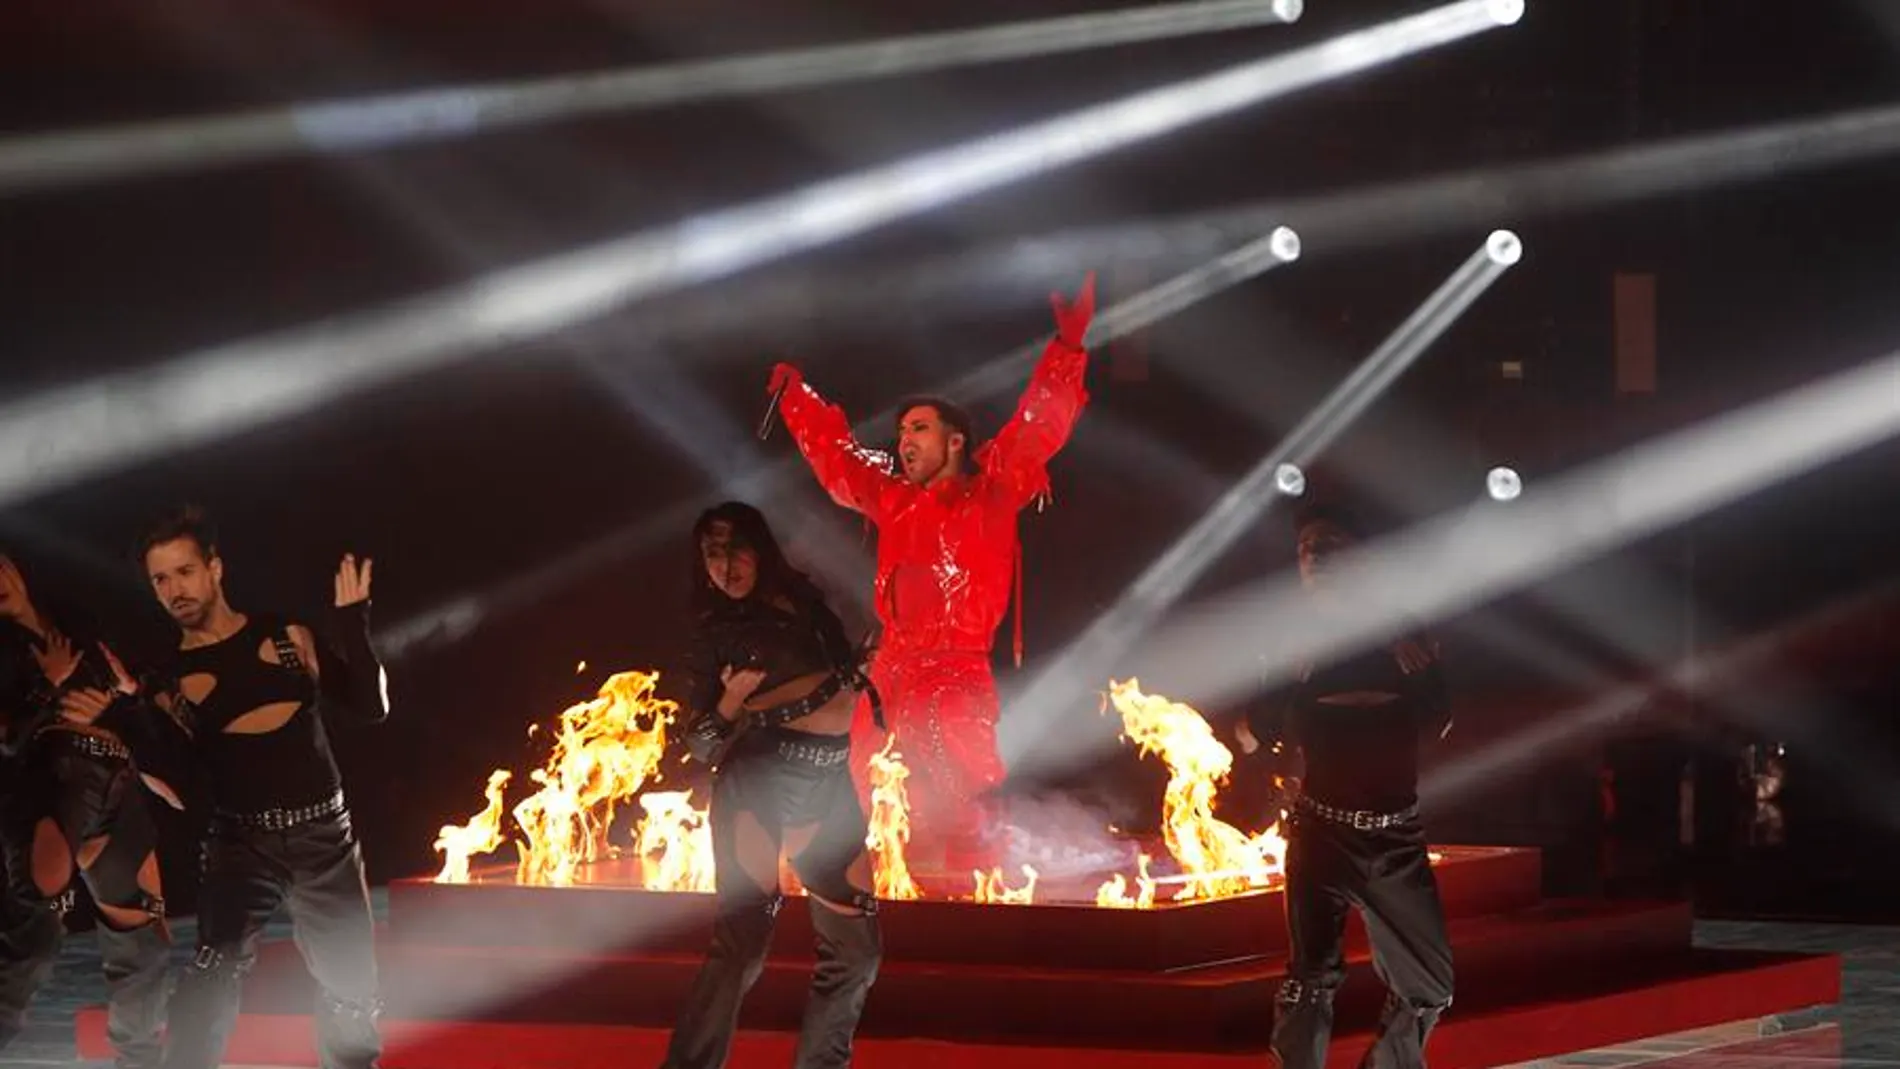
(481, 835)
(1216, 858)
(675, 844)
(605, 751)
(890, 824)
(993, 889)
(1114, 894)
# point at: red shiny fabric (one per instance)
(946, 557)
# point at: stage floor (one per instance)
(1865, 1032)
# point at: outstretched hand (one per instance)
(352, 581)
(1073, 317)
(784, 376)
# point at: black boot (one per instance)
(849, 950)
(135, 961)
(1403, 1029)
(1303, 1023)
(741, 938)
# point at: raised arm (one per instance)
(855, 477)
(1419, 660)
(1017, 458)
(350, 679)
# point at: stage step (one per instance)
(1695, 990)
(608, 917)
(1498, 958)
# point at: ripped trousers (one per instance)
(1332, 866)
(314, 870)
(783, 790)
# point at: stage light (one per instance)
(1503, 248)
(1289, 480)
(89, 427)
(1506, 12)
(1503, 484)
(1289, 10)
(1285, 244)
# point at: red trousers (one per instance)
(943, 708)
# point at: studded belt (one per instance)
(819, 752)
(1357, 819)
(285, 819)
(100, 747)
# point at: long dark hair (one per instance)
(777, 577)
(54, 613)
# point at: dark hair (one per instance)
(53, 611)
(187, 521)
(952, 415)
(749, 529)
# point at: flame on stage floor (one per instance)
(608, 751)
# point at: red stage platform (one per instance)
(493, 974)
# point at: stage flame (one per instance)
(605, 751)
(1114, 894)
(1216, 858)
(675, 844)
(481, 835)
(890, 824)
(993, 889)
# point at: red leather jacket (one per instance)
(946, 554)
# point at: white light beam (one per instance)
(65, 435)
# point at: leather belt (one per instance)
(1357, 819)
(799, 708)
(285, 819)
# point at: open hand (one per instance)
(1073, 317)
(352, 581)
(56, 658)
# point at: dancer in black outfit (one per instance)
(74, 804)
(250, 695)
(1354, 835)
(773, 683)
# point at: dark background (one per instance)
(540, 488)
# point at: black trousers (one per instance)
(315, 871)
(777, 786)
(1330, 868)
(134, 962)
(29, 944)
